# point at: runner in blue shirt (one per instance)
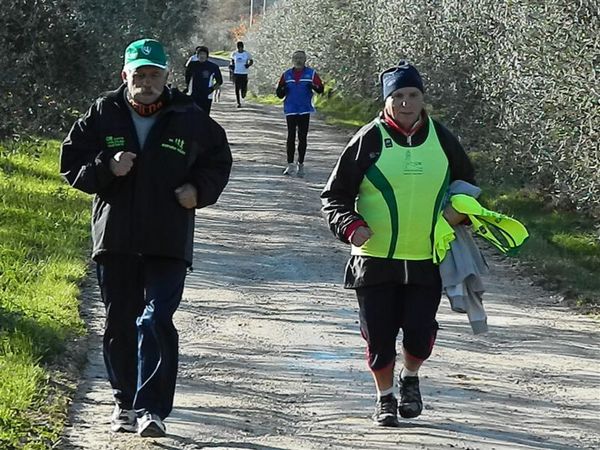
(296, 85)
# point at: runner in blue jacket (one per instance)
(296, 85)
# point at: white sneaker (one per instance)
(150, 425)
(290, 169)
(300, 170)
(123, 420)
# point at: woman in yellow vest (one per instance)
(383, 197)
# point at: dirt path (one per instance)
(271, 357)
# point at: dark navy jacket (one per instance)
(200, 77)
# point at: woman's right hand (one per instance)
(360, 236)
(452, 216)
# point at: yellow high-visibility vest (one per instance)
(400, 197)
(505, 233)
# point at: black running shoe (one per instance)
(411, 404)
(386, 411)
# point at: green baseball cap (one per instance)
(145, 52)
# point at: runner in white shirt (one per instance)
(241, 60)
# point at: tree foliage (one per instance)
(518, 78)
(57, 55)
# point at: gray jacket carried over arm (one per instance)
(462, 268)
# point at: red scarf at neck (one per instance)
(389, 120)
(147, 110)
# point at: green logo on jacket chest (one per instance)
(115, 141)
(175, 144)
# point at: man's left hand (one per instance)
(187, 196)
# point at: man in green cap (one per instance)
(151, 157)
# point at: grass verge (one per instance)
(336, 110)
(44, 234)
(563, 251)
(344, 112)
(222, 54)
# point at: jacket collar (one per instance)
(176, 101)
(411, 140)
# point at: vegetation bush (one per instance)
(58, 55)
(518, 80)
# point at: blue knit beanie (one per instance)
(401, 76)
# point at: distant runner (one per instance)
(202, 78)
(241, 60)
(384, 198)
(296, 85)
